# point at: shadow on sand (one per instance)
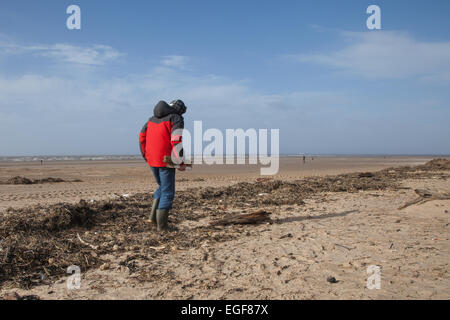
(323, 216)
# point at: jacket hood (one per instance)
(163, 109)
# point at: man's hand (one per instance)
(182, 167)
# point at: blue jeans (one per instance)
(165, 177)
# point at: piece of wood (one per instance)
(426, 195)
(249, 218)
(85, 243)
(171, 164)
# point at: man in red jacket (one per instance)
(160, 137)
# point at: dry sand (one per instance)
(310, 238)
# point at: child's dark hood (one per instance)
(163, 109)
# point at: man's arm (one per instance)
(143, 140)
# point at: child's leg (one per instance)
(156, 174)
(167, 176)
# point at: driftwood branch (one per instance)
(426, 195)
(250, 218)
(157, 248)
(85, 243)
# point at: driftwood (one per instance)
(171, 164)
(424, 196)
(85, 243)
(249, 218)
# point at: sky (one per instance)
(309, 68)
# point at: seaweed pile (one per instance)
(22, 180)
(38, 243)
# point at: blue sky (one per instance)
(310, 68)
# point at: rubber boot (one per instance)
(153, 213)
(162, 217)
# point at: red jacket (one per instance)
(162, 133)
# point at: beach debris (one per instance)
(157, 248)
(249, 218)
(171, 164)
(85, 243)
(17, 180)
(104, 266)
(426, 195)
(42, 239)
(436, 165)
(331, 279)
(366, 174)
(14, 296)
(343, 246)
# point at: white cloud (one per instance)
(95, 55)
(91, 113)
(386, 55)
(175, 61)
(91, 55)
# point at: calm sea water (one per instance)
(70, 158)
(139, 157)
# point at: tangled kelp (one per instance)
(17, 180)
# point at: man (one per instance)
(160, 137)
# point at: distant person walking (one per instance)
(158, 138)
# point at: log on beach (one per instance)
(249, 218)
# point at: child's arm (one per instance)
(176, 139)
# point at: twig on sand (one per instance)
(157, 248)
(426, 195)
(342, 246)
(85, 243)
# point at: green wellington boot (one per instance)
(162, 217)
(153, 212)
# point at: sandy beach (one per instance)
(104, 179)
(329, 220)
